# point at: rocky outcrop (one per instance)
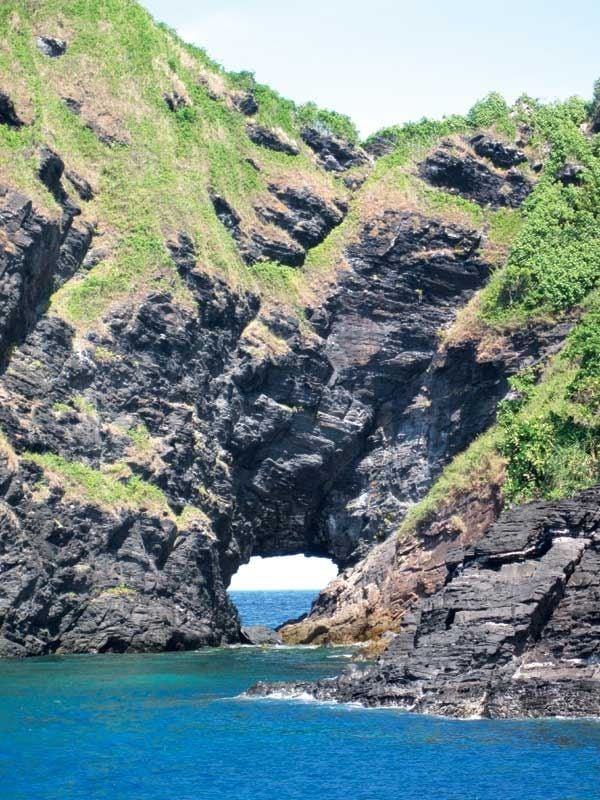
(499, 153)
(51, 47)
(266, 431)
(514, 631)
(260, 635)
(453, 168)
(294, 220)
(33, 251)
(175, 101)
(271, 139)
(305, 216)
(102, 124)
(8, 115)
(334, 153)
(246, 103)
(381, 144)
(370, 598)
(146, 458)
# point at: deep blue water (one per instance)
(172, 727)
(271, 608)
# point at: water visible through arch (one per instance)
(271, 591)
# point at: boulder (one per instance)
(260, 635)
(8, 115)
(51, 47)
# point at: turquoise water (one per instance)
(171, 727)
(271, 608)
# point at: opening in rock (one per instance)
(271, 591)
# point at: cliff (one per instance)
(229, 328)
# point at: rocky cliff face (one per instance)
(218, 431)
(514, 630)
(227, 329)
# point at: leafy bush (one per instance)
(555, 260)
(491, 110)
(330, 122)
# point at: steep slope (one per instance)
(229, 329)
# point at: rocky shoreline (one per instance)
(514, 632)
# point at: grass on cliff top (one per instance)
(119, 64)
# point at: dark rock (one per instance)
(456, 170)
(381, 144)
(92, 124)
(81, 186)
(226, 214)
(500, 154)
(50, 173)
(8, 115)
(514, 632)
(54, 48)
(274, 437)
(175, 101)
(272, 140)
(104, 136)
(73, 253)
(308, 218)
(73, 105)
(303, 217)
(260, 635)
(29, 265)
(570, 174)
(246, 103)
(334, 154)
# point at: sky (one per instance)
(286, 572)
(390, 61)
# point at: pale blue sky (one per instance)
(389, 61)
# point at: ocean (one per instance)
(174, 727)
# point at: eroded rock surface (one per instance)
(452, 167)
(8, 115)
(271, 139)
(259, 434)
(294, 220)
(267, 430)
(334, 153)
(515, 630)
(51, 47)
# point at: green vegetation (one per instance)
(156, 179)
(140, 439)
(122, 590)
(118, 65)
(550, 434)
(555, 259)
(106, 490)
(479, 463)
(492, 110)
(330, 122)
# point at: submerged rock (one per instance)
(260, 635)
